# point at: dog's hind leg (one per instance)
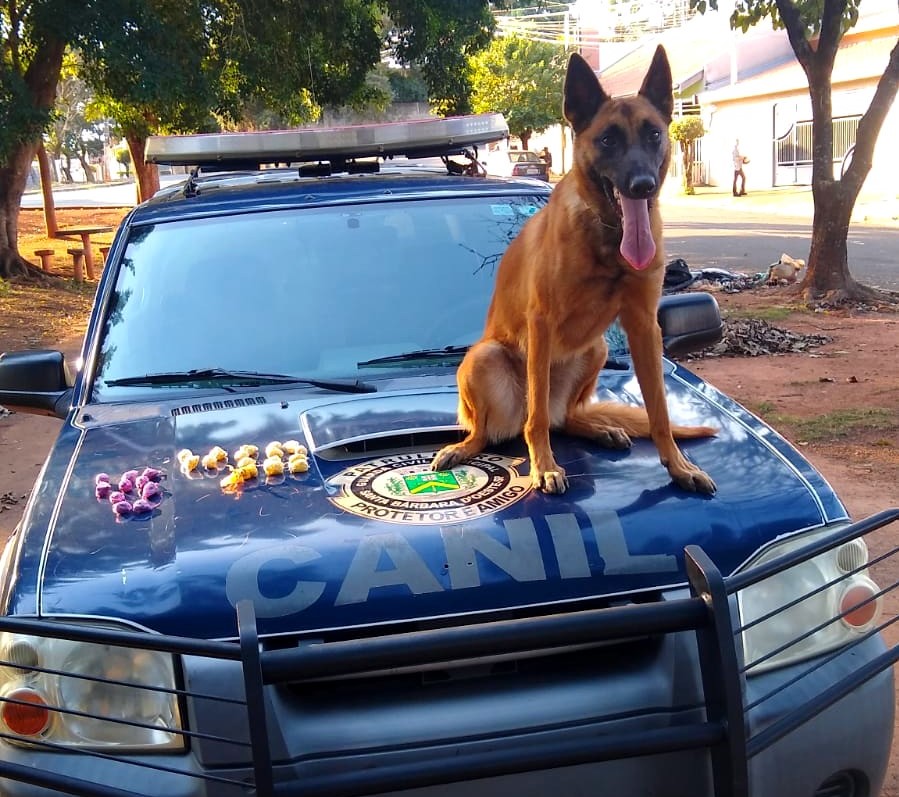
(583, 416)
(491, 406)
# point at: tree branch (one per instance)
(871, 122)
(797, 33)
(831, 33)
(42, 74)
(14, 36)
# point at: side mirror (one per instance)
(35, 381)
(690, 322)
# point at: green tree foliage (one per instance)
(148, 65)
(183, 65)
(123, 156)
(439, 37)
(815, 29)
(406, 85)
(521, 79)
(686, 131)
(293, 56)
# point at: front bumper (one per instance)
(334, 737)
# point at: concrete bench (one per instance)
(77, 254)
(44, 255)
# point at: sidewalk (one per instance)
(788, 201)
(36, 189)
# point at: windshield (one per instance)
(316, 293)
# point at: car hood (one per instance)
(369, 535)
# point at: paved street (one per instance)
(112, 195)
(708, 237)
(747, 234)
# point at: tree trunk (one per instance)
(86, 167)
(827, 276)
(13, 178)
(47, 191)
(687, 150)
(41, 77)
(55, 177)
(147, 174)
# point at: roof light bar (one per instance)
(450, 135)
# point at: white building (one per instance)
(750, 87)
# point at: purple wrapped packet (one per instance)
(150, 490)
(152, 474)
(141, 506)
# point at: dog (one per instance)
(591, 254)
(784, 270)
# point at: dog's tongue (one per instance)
(637, 244)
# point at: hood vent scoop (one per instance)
(212, 406)
(389, 444)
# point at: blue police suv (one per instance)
(237, 574)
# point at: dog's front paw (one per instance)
(447, 458)
(695, 480)
(550, 481)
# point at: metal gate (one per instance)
(793, 150)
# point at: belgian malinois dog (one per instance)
(592, 254)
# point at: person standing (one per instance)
(547, 157)
(739, 174)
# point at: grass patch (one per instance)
(764, 408)
(835, 425)
(777, 312)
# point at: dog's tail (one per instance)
(592, 419)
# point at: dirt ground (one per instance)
(838, 402)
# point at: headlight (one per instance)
(818, 605)
(82, 694)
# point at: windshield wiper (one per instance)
(416, 355)
(249, 378)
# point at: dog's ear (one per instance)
(657, 86)
(582, 93)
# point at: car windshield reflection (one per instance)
(311, 291)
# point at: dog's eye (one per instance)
(607, 141)
(655, 136)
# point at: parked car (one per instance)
(517, 163)
(236, 573)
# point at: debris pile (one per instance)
(752, 337)
(10, 501)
